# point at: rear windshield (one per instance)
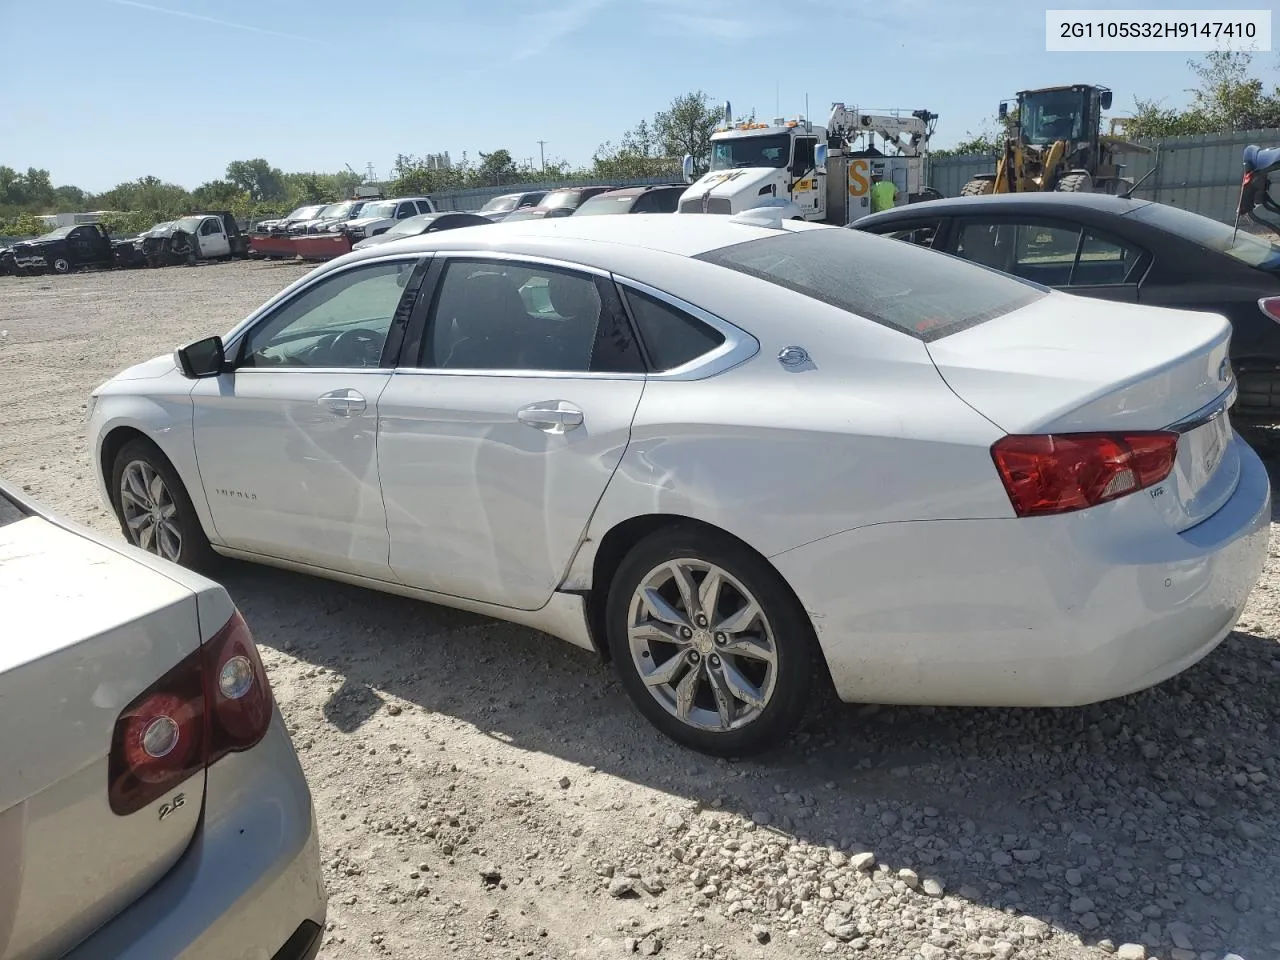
(1211, 234)
(919, 292)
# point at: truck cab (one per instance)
(755, 163)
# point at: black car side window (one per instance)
(920, 234)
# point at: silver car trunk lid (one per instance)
(1066, 364)
(86, 629)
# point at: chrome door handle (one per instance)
(342, 403)
(555, 416)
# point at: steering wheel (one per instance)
(359, 346)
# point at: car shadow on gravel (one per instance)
(1147, 819)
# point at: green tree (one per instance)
(686, 126)
(637, 154)
(496, 168)
(263, 182)
(217, 195)
(1228, 97)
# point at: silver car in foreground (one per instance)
(151, 803)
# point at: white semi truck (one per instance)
(817, 173)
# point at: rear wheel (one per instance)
(1075, 183)
(978, 187)
(710, 643)
(154, 509)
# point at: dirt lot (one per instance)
(484, 791)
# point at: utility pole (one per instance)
(542, 156)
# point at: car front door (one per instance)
(213, 239)
(82, 246)
(1071, 257)
(502, 426)
(287, 441)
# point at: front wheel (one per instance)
(60, 265)
(710, 643)
(154, 509)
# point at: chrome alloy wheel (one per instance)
(150, 514)
(702, 645)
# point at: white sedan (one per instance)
(151, 803)
(737, 458)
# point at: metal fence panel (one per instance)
(476, 197)
(1200, 173)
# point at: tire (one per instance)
(978, 187)
(180, 539)
(1075, 183)
(60, 265)
(770, 698)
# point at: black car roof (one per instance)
(1011, 203)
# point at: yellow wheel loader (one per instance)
(1058, 146)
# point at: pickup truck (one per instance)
(218, 233)
(63, 250)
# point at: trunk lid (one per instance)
(86, 630)
(1067, 364)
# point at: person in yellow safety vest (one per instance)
(884, 193)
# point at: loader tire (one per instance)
(978, 187)
(1075, 183)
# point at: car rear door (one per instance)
(1072, 257)
(87, 629)
(503, 425)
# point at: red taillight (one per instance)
(214, 702)
(1058, 473)
(1271, 307)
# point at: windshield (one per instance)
(55, 234)
(1056, 115)
(332, 210)
(560, 198)
(501, 204)
(305, 213)
(902, 286)
(412, 226)
(379, 211)
(1210, 234)
(188, 224)
(771, 151)
(606, 204)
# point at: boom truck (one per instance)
(819, 173)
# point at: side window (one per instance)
(672, 337)
(920, 234)
(424, 206)
(666, 201)
(406, 210)
(495, 315)
(1042, 251)
(209, 227)
(342, 321)
(1104, 261)
(804, 154)
(643, 204)
(986, 243)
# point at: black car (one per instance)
(425, 223)
(64, 249)
(1112, 248)
(560, 202)
(657, 198)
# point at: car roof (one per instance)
(636, 191)
(596, 241)
(1011, 203)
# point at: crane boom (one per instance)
(848, 124)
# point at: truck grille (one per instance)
(714, 205)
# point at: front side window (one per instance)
(898, 285)
(497, 315)
(341, 321)
(208, 228)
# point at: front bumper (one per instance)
(248, 883)
(1038, 612)
(30, 261)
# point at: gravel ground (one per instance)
(484, 791)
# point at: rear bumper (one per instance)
(249, 883)
(1055, 611)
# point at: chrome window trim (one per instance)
(738, 345)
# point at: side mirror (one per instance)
(686, 168)
(820, 157)
(1004, 110)
(1105, 100)
(202, 358)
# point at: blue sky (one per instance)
(100, 91)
